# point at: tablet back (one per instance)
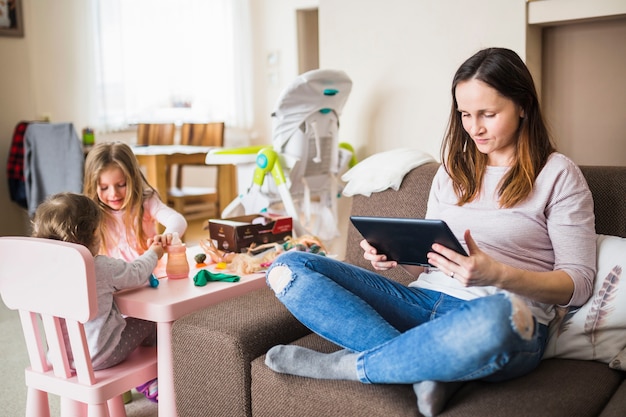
(404, 240)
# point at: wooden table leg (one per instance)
(156, 168)
(227, 185)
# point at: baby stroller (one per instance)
(305, 160)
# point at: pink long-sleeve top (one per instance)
(121, 245)
(553, 229)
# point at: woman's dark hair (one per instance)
(503, 70)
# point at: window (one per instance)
(173, 61)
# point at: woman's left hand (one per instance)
(477, 269)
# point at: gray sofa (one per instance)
(219, 352)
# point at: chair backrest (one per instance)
(53, 282)
(156, 133)
(202, 134)
(199, 134)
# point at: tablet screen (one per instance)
(406, 241)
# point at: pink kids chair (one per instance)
(51, 282)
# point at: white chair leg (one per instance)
(37, 403)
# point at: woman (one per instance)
(523, 212)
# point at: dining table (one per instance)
(170, 300)
(157, 159)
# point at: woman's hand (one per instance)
(478, 269)
(378, 261)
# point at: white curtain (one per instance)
(173, 61)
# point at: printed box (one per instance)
(236, 234)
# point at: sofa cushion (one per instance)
(597, 330)
(213, 347)
(276, 394)
(553, 389)
(617, 404)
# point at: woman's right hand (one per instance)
(378, 261)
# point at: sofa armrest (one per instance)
(213, 349)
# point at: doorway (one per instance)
(308, 40)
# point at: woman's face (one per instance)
(490, 119)
(112, 187)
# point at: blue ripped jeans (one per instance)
(403, 334)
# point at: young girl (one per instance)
(131, 207)
(111, 337)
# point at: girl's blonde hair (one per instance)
(105, 156)
(503, 70)
(69, 217)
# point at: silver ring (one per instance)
(452, 274)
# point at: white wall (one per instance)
(401, 56)
(46, 72)
(274, 33)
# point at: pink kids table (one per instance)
(172, 299)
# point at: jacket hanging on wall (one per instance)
(15, 166)
(53, 161)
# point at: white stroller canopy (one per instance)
(316, 90)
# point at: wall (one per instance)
(400, 54)
(45, 73)
(275, 47)
(584, 89)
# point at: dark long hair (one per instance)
(503, 70)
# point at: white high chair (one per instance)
(50, 282)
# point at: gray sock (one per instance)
(297, 360)
(432, 396)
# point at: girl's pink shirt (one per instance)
(124, 246)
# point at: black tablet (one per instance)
(406, 241)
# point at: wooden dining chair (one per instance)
(155, 133)
(197, 202)
(53, 286)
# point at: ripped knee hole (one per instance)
(278, 278)
(522, 318)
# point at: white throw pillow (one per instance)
(382, 170)
(597, 330)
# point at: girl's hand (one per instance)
(155, 244)
(379, 262)
(166, 239)
(477, 269)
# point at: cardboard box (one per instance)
(236, 234)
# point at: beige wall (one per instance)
(401, 55)
(584, 89)
(44, 73)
